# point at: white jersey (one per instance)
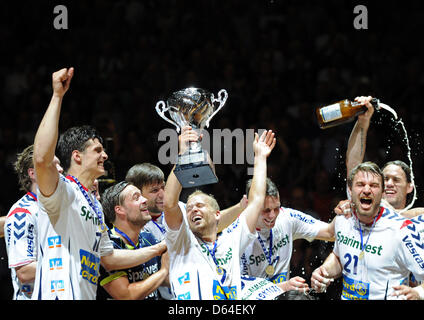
(193, 273)
(392, 249)
(21, 241)
(158, 230)
(69, 252)
(419, 222)
(290, 225)
(156, 227)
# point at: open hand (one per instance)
(264, 144)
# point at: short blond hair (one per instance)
(210, 198)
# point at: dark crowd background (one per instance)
(278, 60)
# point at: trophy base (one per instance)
(193, 170)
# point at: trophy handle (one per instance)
(161, 112)
(222, 97)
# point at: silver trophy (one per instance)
(193, 107)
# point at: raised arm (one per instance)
(262, 147)
(229, 215)
(358, 138)
(173, 214)
(47, 134)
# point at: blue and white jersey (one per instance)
(388, 252)
(419, 222)
(133, 274)
(20, 232)
(156, 228)
(71, 246)
(289, 225)
(193, 273)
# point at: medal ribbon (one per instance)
(127, 238)
(94, 205)
(213, 252)
(157, 224)
(360, 232)
(218, 268)
(269, 255)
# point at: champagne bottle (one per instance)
(341, 112)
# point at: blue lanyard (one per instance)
(269, 256)
(362, 239)
(94, 205)
(213, 252)
(158, 225)
(221, 271)
(126, 237)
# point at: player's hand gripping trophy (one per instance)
(193, 107)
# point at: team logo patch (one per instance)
(57, 286)
(184, 279)
(355, 290)
(90, 264)
(279, 278)
(223, 292)
(54, 242)
(55, 263)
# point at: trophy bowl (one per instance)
(193, 107)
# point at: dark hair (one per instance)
(144, 174)
(112, 197)
(74, 138)
(271, 188)
(404, 167)
(24, 161)
(366, 167)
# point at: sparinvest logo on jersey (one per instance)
(256, 260)
(220, 261)
(87, 215)
(352, 242)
